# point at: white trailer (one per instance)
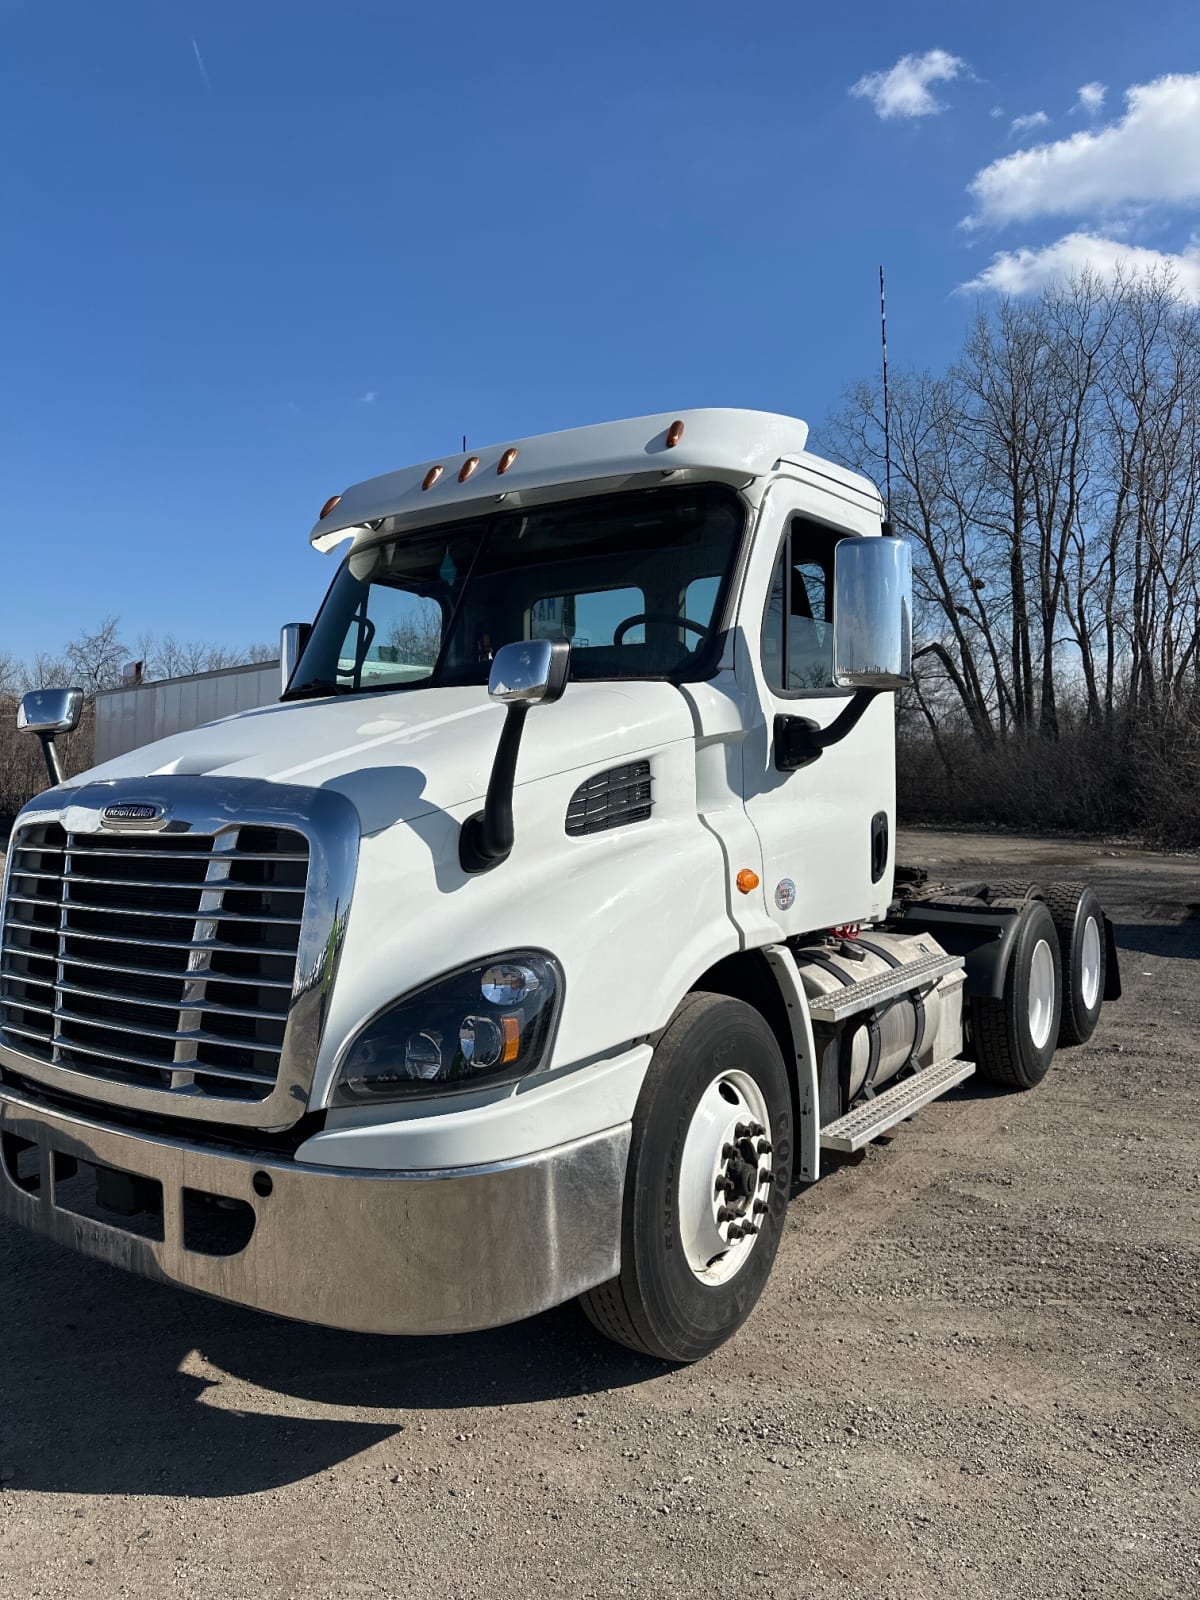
(139, 714)
(543, 934)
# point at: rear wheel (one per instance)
(1079, 921)
(710, 1167)
(1014, 1037)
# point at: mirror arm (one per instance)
(799, 741)
(487, 837)
(54, 764)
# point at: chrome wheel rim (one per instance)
(725, 1176)
(1041, 994)
(1089, 974)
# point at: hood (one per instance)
(400, 756)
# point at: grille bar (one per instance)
(258, 982)
(114, 957)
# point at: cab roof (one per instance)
(712, 444)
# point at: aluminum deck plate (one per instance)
(855, 997)
(867, 1121)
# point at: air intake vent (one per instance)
(611, 799)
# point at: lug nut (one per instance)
(749, 1227)
(727, 1214)
(735, 1230)
(760, 1208)
(755, 1129)
(724, 1184)
(743, 1130)
(765, 1147)
(728, 1152)
(764, 1174)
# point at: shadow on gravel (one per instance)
(93, 1399)
(1179, 938)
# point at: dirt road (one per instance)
(974, 1373)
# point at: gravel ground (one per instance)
(974, 1373)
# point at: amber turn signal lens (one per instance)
(467, 468)
(747, 881)
(674, 433)
(431, 477)
(506, 460)
(328, 506)
(511, 1028)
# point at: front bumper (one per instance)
(379, 1252)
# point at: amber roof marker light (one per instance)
(467, 468)
(431, 477)
(328, 506)
(674, 433)
(507, 459)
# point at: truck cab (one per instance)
(544, 930)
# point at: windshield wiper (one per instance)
(318, 686)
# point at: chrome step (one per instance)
(867, 1121)
(855, 997)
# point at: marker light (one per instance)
(431, 477)
(507, 459)
(328, 506)
(467, 468)
(674, 433)
(747, 881)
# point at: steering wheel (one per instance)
(622, 628)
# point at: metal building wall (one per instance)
(127, 718)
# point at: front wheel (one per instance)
(710, 1168)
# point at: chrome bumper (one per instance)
(379, 1252)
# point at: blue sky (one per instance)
(254, 250)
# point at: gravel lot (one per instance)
(974, 1373)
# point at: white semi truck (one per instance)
(543, 936)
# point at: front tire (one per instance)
(710, 1170)
(1014, 1037)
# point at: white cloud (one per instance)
(1091, 98)
(1027, 124)
(369, 398)
(1150, 156)
(996, 111)
(1018, 272)
(903, 90)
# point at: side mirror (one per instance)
(47, 712)
(533, 673)
(872, 613)
(530, 674)
(293, 636)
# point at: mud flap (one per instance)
(1112, 972)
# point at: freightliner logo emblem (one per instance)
(134, 814)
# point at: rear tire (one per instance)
(1079, 921)
(689, 1274)
(1014, 1037)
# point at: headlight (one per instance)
(488, 1023)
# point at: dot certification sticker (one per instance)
(785, 894)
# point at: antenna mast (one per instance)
(887, 410)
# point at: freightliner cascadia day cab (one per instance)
(545, 933)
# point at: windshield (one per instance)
(634, 581)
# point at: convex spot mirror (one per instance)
(872, 613)
(530, 673)
(50, 711)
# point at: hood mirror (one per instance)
(47, 712)
(293, 637)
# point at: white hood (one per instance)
(402, 755)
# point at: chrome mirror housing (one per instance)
(293, 637)
(47, 712)
(530, 673)
(50, 711)
(872, 613)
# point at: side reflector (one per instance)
(431, 477)
(747, 881)
(328, 506)
(674, 433)
(506, 460)
(512, 1038)
(467, 468)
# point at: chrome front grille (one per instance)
(166, 960)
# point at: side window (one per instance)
(590, 619)
(797, 636)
